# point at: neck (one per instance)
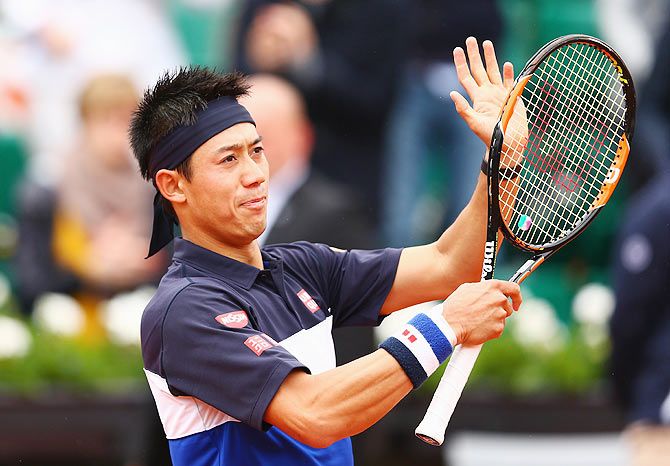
(246, 253)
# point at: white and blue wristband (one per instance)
(422, 344)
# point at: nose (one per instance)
(253, 173)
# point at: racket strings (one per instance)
(597, 142)
(565, 135)
(567, 131)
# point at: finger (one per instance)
(491, 62)
(463, 72)
(511, 290)
(462, 106)
(508, 75)
(509, 309)
(476, 66)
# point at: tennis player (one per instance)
(237, 341)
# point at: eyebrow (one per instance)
(238, 146)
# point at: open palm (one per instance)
(485, 86)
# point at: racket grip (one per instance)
(431, 430)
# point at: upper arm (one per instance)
(236, 370)
(353, 283)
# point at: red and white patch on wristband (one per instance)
(258, 344)
(410, 336)
(308, 301)
(235, 319)
(416, 342)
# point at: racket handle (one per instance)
(431, 430)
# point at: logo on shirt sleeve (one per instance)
(259, 343)
(235, 319)
(308, 301)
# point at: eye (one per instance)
(228, 159)
(258, 150)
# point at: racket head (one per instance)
(566, 129)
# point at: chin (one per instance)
(257, 230)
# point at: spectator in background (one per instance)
(306, 205)
(424, 124)
(640, 325)
(98, 223)
(344, 56)
(101, 227)
(60, 44)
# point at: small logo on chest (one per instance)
(235, 319)
(308, 301)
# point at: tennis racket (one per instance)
(556, 155)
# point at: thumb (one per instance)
(462, 106)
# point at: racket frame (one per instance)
(497, 139)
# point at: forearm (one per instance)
(460, 249)
(340, 402)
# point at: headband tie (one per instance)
(179, 145)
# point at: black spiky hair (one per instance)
(174, 101)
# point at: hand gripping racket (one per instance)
(556, 155)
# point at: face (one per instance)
(226, 198)
(106, 135)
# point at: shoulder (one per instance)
(190, 297)
(311, 261)
(299, 251)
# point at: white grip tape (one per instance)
(432, 428)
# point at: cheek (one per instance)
(216, 199)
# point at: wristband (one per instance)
(422, 344)
(506, 174)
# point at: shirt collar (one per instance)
(221, 266)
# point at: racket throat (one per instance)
(526, 269)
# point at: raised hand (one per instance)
(485, 86)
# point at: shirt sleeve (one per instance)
(355, 283)
(211, 352)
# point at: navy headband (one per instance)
(179, 145)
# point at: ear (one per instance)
(169, 183)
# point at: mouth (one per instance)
(256, 203)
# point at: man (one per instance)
(236, 342)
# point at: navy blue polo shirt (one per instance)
(219, 337)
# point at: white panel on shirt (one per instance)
(187, 415)
(314, 346)
(183, 415)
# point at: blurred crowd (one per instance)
(364, 145)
